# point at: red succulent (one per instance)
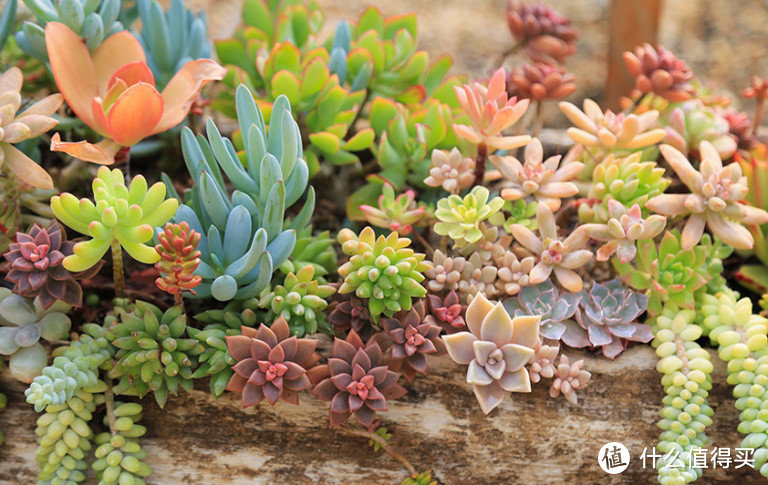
(658, 71)
(179, 259)
(414, 339)
(539, 82)
(446, 313)
(351, 313)
(547, 35)
(757, 90)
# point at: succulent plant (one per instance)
(451, 171)
(628, 180)
(543, 363)
(153, 353)
(399, 213)
(121, 215)
(245, 236)
(6, 27)
(113, 91)
(36, 268)
(462, 219)
(540, 82)
(314, 250)
(447, 313)
(715, 199)
(479, 276)
(384, 271)
(17, 127)
(513, 272)
(424, 478)
(271, 364)
(623, 229)
(445, 272)
(554, 255)
(556, 310)
(546, 35)
(569, 378)
(171, 39)
(179, 258)
(491, 111)
(22, 324)
(348, 312)
(520, 212)
(496, 347)
(90, 21)
(537, 178)
(300, 300)
(740, 127)
(414, 338)
(119, 456)
(691, 122)
(355, 381)
(608, 318)
(658, 71)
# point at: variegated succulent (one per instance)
(462, 219)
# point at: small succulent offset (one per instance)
(513, 272)
(658, 71)
(121, 215)
(445, 273)
(462, 219)
(520, 212)
(348, 312)
(714, 201)
(569, 378)
(314, 250)
(36, 266)
(399, 213)
(414, 338)
(622, 231)
(451, 171)
(16, 127)
(179, 258)
(271, 364)
(556, 256)
(383, 270)
(496, 347)
(546, 35)
(447, 313)
(355, 381)
(540, 82)
(22, 324)
(555, 309)
(608, 316)
(543, 180)
(543, 362)
(300, 300)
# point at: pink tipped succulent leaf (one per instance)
(622, 231)
(179, 258)
(451, 171)
(447, 313)
(399, 213)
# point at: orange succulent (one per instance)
(113, 91)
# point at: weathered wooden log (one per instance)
(529, 438)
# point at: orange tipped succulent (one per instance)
(113, 91)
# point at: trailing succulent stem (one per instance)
(117, 269)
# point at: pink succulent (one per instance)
(569, 378)
(623, 230)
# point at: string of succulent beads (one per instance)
(118, 454)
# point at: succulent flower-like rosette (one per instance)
(496, 348)
(462, 219)
(658, 71)
(540, 82)
(692, 122)
(623, 230)
(547, 35)
(414, 337)
(555, 309)
(446, 312)
(348, 312)
(451, 171)
(271, 364)
(399, 213)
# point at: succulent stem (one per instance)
(9, 183)
(482, 156)
(117, 269)
(758, 114)
(385, 446)
(427, 247)
(109, 398)
(499, 60)
(538, 121)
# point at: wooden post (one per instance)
(633, 22)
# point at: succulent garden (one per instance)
(322, 210)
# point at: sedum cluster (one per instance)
(118, 452)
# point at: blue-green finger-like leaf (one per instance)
(215, 246)
(93, 31)
(90, 6)
(205, 271)
(296, 183)
(241, 198)
(280, 108)
(6, 21)
(282, 247)
(338, 63)
(248, 261)
(342, 36)
(43, 10)
(176, 17)
(237, 235)
(269, 174)
(263, 274)
(274, 211)
(109, 11)
(34, 35)
(255, 149)
(303, 217)
(363, 77)
(155, 31)
(193, 154)
(229, 163)
(71, 14)
(210, 160)
(247, 112)
(186, 214)
(215, 203)
(290, 144)
(172, 192)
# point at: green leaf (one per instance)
(285, 82)
(382, 111)
(327, 143)
(753, 277)
(362, 140)
(371, 19)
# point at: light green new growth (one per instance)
(463, 219)
(118, 454)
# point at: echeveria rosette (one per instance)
(496, 348)
(446, 312)
(383, 270)
(714, 200)
(414, 337)
(127, 215)
(270, 364)
(608, 318)
(399, 213)
(348, 312)
(16, 127)
(622, 231)
(355, 381)
(113, 91)
(555, 309)
(462, 219)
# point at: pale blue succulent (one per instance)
(245, 236)
(556, 309)
(6, 21)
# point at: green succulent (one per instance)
(124, 215)
(385, 271)
(462, 219)
(153, 353)
(301, 301)
(118, 453)
(629, 180)
(520, 212)
(312, 250)
(6, 21)
(3, 405)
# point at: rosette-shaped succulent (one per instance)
(714, 201)
(414, 338)
(445, 272)
(555, 309)
(520, 212)
(692, 122)
(658, 71)
(554, 255)
(462, 219)
(758, 89)
(22, 324)
(543, 362)
(623, 229)
(540, 82)
(383, 270)
(569, 378)
(399, 213)
(314, 250)
(271, 364)
(608, 132)
(36, 266)
(479, 276)
(496, 347)
(16, 127)
(546, 35)
(740, 127)
(300, 300)
(153, 353)
(348, 312)
(628, 180)
(447, 313)
(451, 171)
(491, 111)
(124, 215)
(608, 316)
(543, 180)
(179, 258)
(355, 381)
(513, 272)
